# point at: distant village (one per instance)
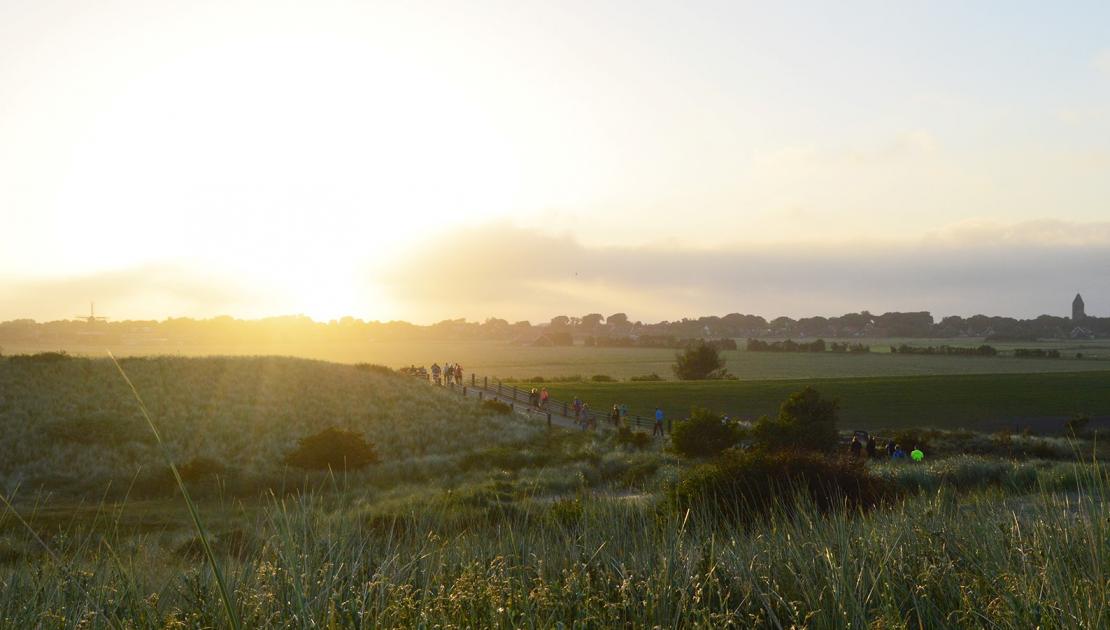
(616, 329)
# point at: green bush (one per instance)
(806, 421)
(745, 485)
(332, 448)
(603, 378)
(638, 440)
(704, 434)
(646, 378)
(699, 362)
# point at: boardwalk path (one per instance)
(553, 414)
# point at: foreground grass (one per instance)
(974, 401)
(326, 559)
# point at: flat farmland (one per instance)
(972, 401)
(505, 360)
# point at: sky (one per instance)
(433, 160)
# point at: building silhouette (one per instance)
(1077, 309)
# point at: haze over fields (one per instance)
(428, 161)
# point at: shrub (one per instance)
(806, 421)
(1078, 424)
(333, 448)
(375, 368)
(704, 434)
(744, 485)
(638, 440)
(699, 362)
(646, 378)
(40, 357)
(603, 378)
(496, 407)
(910, 438)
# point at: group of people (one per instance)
(448, 374)
(539, 398)
(894, 451)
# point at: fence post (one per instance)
(498, 388)
(485, 382)
(669, 425)
(472, 377)
(479, 395)
(510, 406)
(464, 391)
(549, 419)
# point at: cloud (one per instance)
(150, 291)
(1024, 269)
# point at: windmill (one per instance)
(92, 317)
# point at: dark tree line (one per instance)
(615, 330)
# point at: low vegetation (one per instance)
(475, 518)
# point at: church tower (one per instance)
(1077, 312)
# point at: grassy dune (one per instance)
(973, 401)
(73, 425)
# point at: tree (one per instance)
(617, 319)
(592, 321)
(698, 362)
(560, 321)
(806, 421)
(704, 434)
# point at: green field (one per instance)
(505, 360)
(972, 401)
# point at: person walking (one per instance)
(458, 374)
(624, 413)
(577, 410)
(543, 398)
(890, 447)
(871, 447)
(658, 428)
(586, 422)
(898, 452)
(435, 373)
(855, 447)
(615, 416)
(534, 398)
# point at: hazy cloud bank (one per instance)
(1021, 270)
(147, 292)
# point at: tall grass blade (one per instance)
(225, 593)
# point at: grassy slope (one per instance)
(74, 424)
(968, 401)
